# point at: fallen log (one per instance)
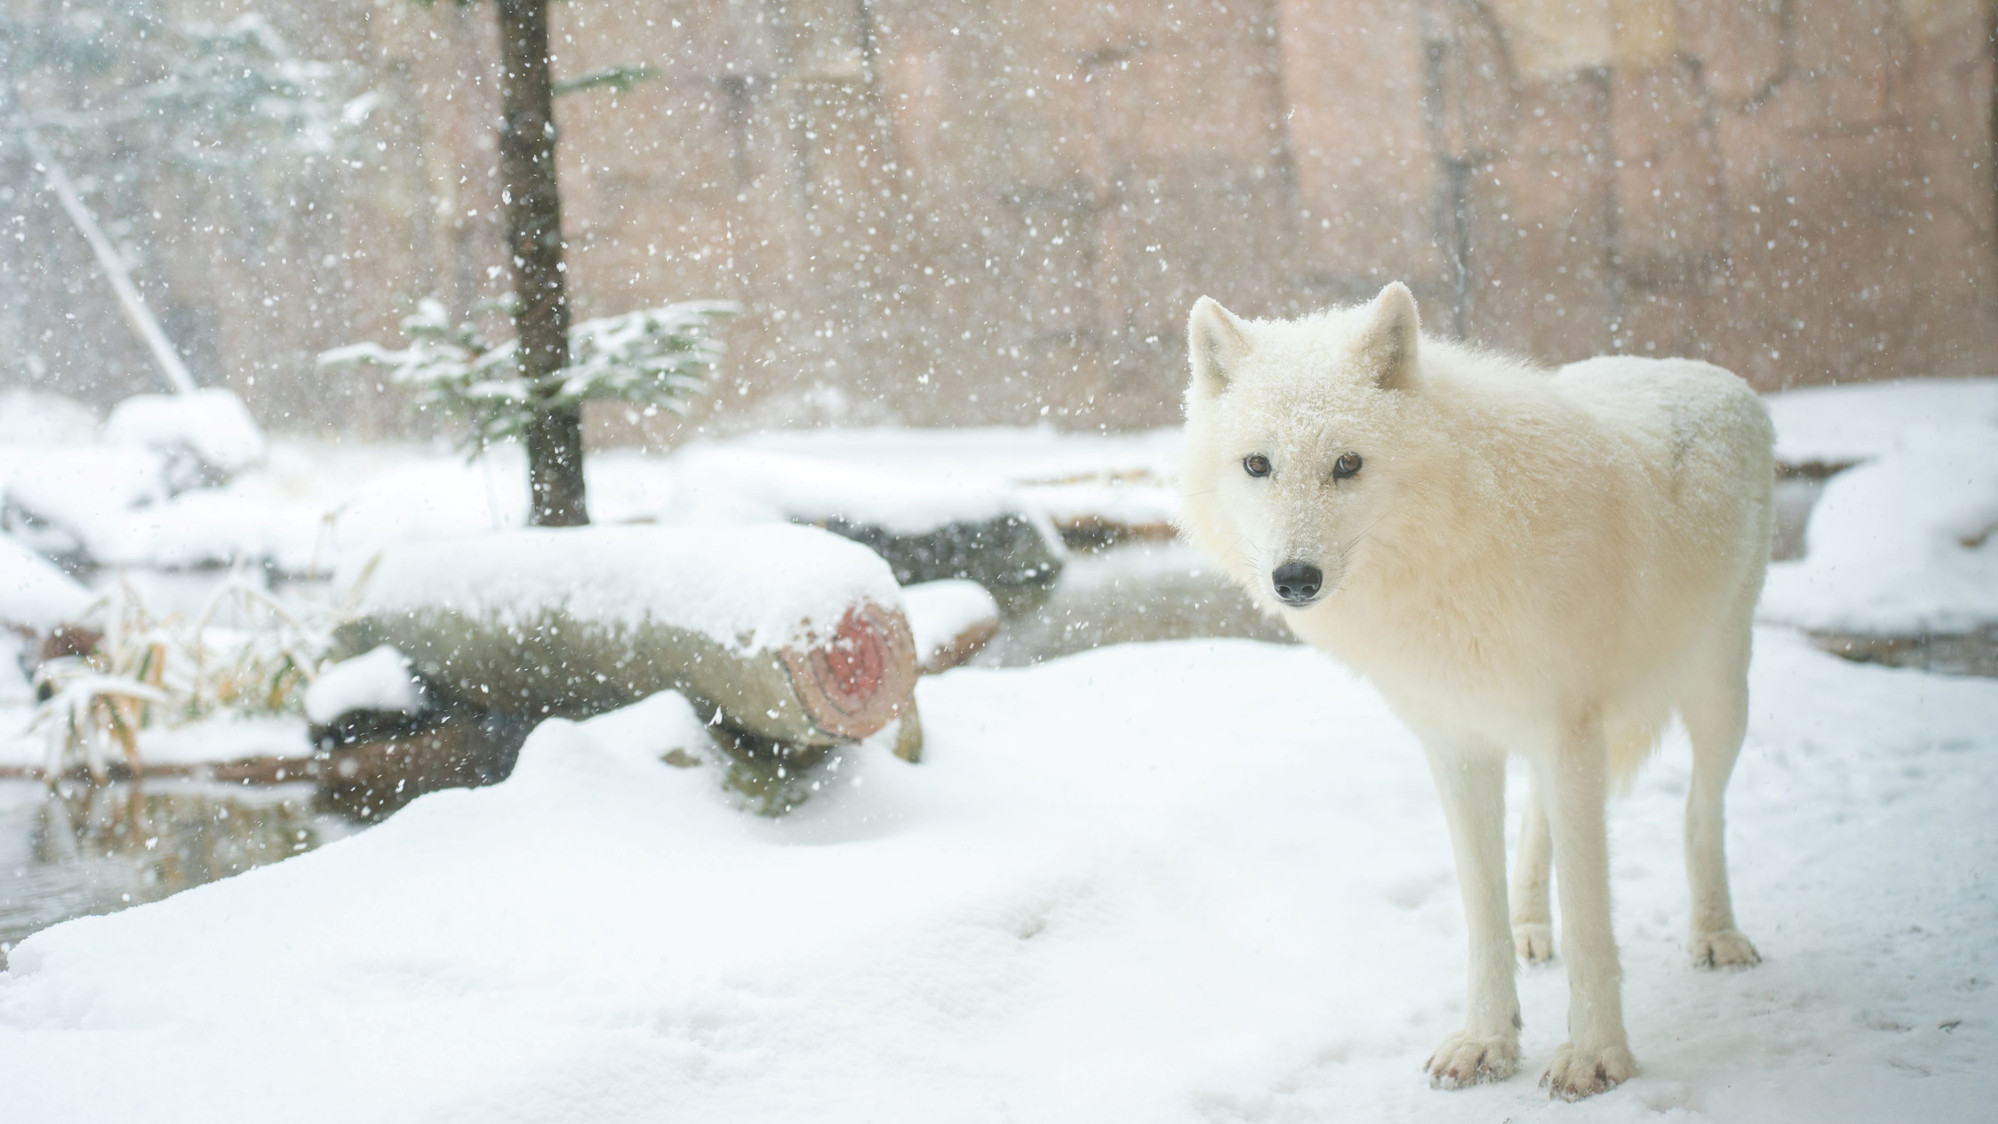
(788, 632)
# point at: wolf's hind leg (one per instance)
(1472, 787)
(1532, 914)
(1714, 707)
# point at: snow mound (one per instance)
(34, 594)
(420, 498)
(380, 680)
(16, 690)
(1171, 883)
(942, 612)
(212, 425)
(660, 729)
(1021, 455)
(751, 588)
(40, 417)
(1841, 425)
(205, 527)
(1902, 545)
(77, 499)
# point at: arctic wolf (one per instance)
(1523, 561)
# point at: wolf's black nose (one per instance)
(1297, 582)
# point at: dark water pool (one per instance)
(85, 849)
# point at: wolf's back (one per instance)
(1700, 431)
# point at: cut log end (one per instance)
(855, 682)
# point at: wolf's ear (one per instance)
(1217, 341)
(1387, 348)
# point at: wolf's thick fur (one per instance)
(1546, 563)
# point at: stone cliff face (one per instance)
(1798, 190)
(1000, 210)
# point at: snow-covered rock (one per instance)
(207, 435)
(41, 417)
(34, 595)
(203, 527)
(1021, 455)
(1901, 545)
(76, 499)
(17, 689)
(722, 485)
(1170, 883)
(950, 620)
(928, 527)
(380, 680)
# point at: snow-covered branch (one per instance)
(656, 357)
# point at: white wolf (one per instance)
(1546, 563)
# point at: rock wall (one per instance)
(998, 211)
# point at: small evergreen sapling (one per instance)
(653, 357)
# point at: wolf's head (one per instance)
(1301, 437)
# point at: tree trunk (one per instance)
(534, 235)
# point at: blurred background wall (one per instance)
(998, 211)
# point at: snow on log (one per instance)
(793, 634)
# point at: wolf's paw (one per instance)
(1534, 940)
(1464, 1059)
(1577, 1073)
(1723, 948)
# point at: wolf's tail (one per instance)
(1631, 738)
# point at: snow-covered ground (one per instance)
(1201, 881)
(1901, 544)
(1195, 881)
(314, 505)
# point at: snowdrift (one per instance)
(1164, 883)
(1902, 545)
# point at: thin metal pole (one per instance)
(134, 305)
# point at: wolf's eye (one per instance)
(1256, 464)
(1345, 466)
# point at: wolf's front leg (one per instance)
(1572, 787)
(1472, 787)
